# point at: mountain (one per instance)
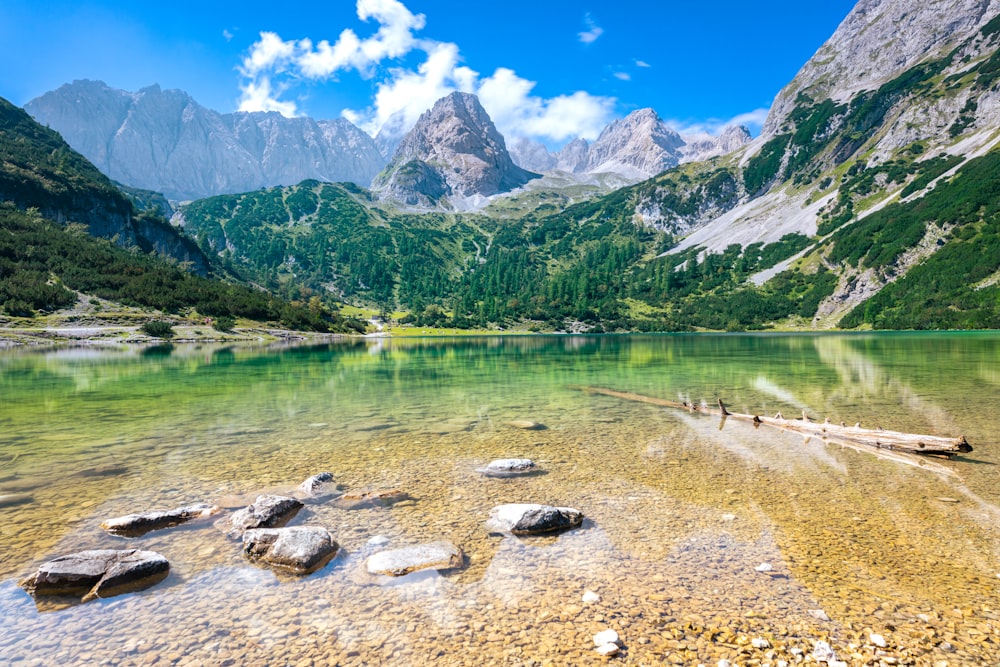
(638, 146)
(454, 150)
(39, 170)
(162, 140)
(51, 197)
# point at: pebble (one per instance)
(606, 637)
(878, 640)
(946, 499)
(760, 642)
(818, 614)
(764, 567)
(823, 652)
(608, 649)
(728, 517)
(591, 597)
(723, 663)
(378, 541)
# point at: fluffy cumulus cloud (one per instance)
(273, 67)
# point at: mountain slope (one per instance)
(163, 140)
(39, 170)
(454, 150)
(324, 238)
(51, 197)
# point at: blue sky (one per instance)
(548, 69)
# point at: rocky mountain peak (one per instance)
(454, 149)
(640, 144)
(877, 40)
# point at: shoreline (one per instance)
(109, 336)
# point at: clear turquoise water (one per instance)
(680, 512)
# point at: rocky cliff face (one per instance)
(896, 88)
(165, 141)
(705, 147)
(878, 40)
(453, 150)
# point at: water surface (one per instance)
(681, 511)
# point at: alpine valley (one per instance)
(870, 199)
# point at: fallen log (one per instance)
(877, 437)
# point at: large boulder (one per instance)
(266, 512)
(134, 525)
(532, 519)
(100, 573)
(319, 485)
(508, 468)
(298, 549)
(434, 555)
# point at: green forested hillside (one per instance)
(43, 264)
(589, 263)
(53, 207)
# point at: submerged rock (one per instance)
(12, 499)
(134, 525)
(266, 512)
(299, 549)
(99, 573)
(361, 499)
(103, 471)
(434, 555)
(531, 519)
(508, 468)
(527, 425)
(320, 484)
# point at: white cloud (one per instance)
(258, 95)
(267, 54)
(409, 93)
(516, 113)
(642, 63)
(713, 126)
(227, 34)
(594, 31)
(624, 76)
(273, 66)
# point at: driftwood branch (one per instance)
(892, 440)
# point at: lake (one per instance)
(702, 540)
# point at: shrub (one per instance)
(224, 323)
(158, 329)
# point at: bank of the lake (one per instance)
(701, 542)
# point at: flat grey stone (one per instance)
(508, 468)
(98, 573)
(397, 562)
(134, 525)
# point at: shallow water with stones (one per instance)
(681, 511)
